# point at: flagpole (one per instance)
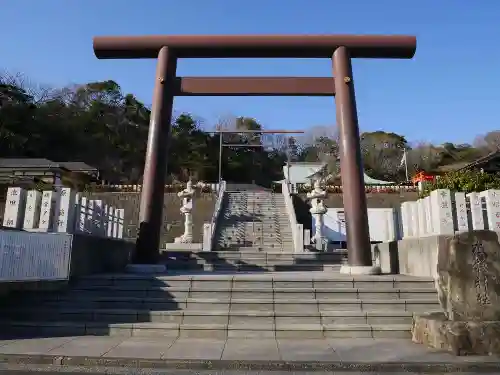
(406, 165)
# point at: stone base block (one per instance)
(145, 268)
(360, 270)
(457, 337)
(195, 247)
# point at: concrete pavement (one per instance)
(117, 371)
(245, 354)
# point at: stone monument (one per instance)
(318, 210)
(468, 285)
(186, 210)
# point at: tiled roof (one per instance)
(28, 163)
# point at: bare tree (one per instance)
(38, 92)
(423, 156)
(490, 141)
(321, 144)
(382, 153)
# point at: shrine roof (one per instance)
(44, 164)
(27, 163)
(78, 166)
(478, 163)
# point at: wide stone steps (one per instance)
(210, 317)
(244, 304)
(300, 305)
(98, 293)
(214, 331)
(235, 266)
(251, 281)
(249, 259)
(253, 254)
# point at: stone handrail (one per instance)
(209, 237)
(218, 205)
(298, 242)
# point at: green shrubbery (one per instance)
(464, 181)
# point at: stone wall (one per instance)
(419, 256)
(173, 222)
(374, 200)
(89, 255)
(93, 255)
(411, 256)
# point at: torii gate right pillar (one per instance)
(351, 168)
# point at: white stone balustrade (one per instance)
(445, 212)
(297, 229)
(64, 211)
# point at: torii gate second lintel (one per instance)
(340, 48)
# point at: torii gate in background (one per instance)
(339, 48)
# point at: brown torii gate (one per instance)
(340, 48)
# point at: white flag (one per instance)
(403, 159)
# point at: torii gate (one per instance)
(340, 48)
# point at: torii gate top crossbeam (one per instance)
(259, 46)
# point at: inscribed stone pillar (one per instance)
(406, 219)
(111, 221)
(120, 216)
(441, 212)
(476, 211)
(422, 225)
(82, 226)
(492, 200)
(89, 220)
(65, 211)
(14, 207)
(105, 220)
(414, 218)
(98, 218)
(428, 215)
(47, 219)
(32, 212)
(461, 212)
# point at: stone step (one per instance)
(244, 293)
(252, 281)
(219, 331)
(233, 304)
(248, 255)
(256, 248)
(262, 259)
(270, 267)
(172, 262)
(206, 317)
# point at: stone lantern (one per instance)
(186, 210)
(318, 210)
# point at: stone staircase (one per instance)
(254, 220)
(253, 234)
(245, 260)
(282, 305)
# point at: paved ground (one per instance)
(261, 354)
(232, 349)
(191, 372)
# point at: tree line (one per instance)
(106, 128)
